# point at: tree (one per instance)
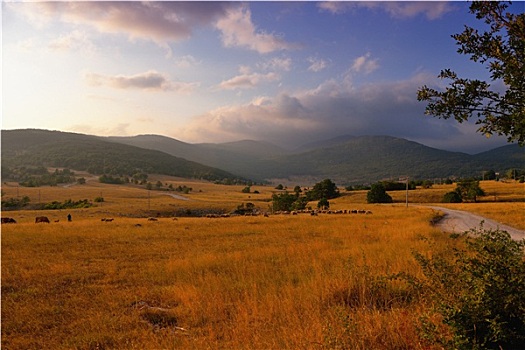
(324, 189)
(283, 201)
(377, 194)
(469, 190)
(323, 204)
(502, 47)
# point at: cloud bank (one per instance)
(332, 109)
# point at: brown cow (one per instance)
(39, 219)
(8, 221)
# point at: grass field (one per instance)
(277, 282)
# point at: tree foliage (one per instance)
(469, 190)
(480, 291)
(377, 194)
(502, 48)
(324, 189)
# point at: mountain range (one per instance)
(345, 160)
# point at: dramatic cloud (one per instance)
(332, 109)
(238, 30)
(150, 80)
(158, 21)
(396, 9)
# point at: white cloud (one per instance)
(316, 64)
(76, 40)
(276, 63)
(150, 80)
(238, 31)
(248, 80)
(396, 9)
(364, 64)
(187, 61)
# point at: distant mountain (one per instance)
(96, 155)
(241, 157)
(345, 160)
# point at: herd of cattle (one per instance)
(45, 219)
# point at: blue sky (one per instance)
(285, 72)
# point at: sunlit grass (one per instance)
(279, 282)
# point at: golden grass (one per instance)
(278, 282)
(244, 283)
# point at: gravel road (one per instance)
(460, 221)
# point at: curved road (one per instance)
(461, 221)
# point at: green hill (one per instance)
(345, 160)
(97, 156)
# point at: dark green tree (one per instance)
(323, 204)
(452, 197)
(377, 194)
(283, 201)
(469, 190)
(502, 49)
(324, 189)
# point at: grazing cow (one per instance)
(40, 219)
(8, 221)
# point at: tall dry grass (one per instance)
(243, 283)
(283, 282)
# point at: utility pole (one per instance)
(401, 179)
(407, 193)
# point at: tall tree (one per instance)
(502, 49)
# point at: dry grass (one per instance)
(279, 282)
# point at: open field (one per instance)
(279, 282)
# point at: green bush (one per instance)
(452, 197)
(480, 290)
(377, 194)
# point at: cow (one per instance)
(8, 221)
(40, 219)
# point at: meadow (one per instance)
(277, 282)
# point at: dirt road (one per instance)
(461, 221)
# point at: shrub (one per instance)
(452, 197)
(98, 200)
(480, 290)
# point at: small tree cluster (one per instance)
(466, 190)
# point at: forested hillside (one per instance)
(346, 159)
(23, 148)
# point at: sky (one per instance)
(289, 73)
